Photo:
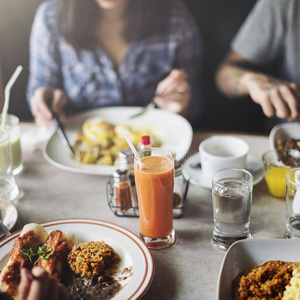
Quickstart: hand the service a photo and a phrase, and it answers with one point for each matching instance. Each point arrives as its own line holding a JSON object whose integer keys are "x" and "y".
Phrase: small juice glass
{"x": 154, "y": 178}
{"x": 275, "y": 173}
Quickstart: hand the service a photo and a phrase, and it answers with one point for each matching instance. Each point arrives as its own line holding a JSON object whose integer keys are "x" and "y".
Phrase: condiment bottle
{"x": 122, "y": 190}
{"x": 180, "y": 186}
{"x": 146, "y": 145}
{"x": 126, "y": 162}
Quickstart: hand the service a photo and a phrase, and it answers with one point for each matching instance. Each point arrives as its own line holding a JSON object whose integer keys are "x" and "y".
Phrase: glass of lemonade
{"x": 232, "y": 199}
{"x": 8, "y": 187}
{"x": 12, "y": 125}
{"x": 154, "y": 178}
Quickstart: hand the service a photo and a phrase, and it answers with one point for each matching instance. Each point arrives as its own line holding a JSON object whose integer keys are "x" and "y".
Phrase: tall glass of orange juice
{"x": 154, "y": 179}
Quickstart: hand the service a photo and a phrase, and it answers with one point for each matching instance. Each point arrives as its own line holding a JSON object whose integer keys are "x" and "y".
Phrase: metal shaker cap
{"x": 120, "y": 175}
{"x": 177, "y": 168}
{"x": 126, "y": 156}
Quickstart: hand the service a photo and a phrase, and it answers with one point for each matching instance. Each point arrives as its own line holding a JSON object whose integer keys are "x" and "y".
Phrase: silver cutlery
{"x": 144, "y": 110}
{"x": 61, "y": 132}
{"x": 4, "y": 229}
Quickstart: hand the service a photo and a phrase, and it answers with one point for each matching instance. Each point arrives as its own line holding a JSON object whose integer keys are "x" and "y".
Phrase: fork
{"x": 144, "y": 109}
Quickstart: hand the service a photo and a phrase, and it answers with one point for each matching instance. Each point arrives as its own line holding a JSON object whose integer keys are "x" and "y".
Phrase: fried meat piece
{"x": 32, "y": 236}
{"x": 60, "y": 243}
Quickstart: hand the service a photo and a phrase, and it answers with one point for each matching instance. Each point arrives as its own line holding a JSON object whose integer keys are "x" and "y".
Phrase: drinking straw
{"x": 131, "y": 146}
{"x": 7, "y": 94}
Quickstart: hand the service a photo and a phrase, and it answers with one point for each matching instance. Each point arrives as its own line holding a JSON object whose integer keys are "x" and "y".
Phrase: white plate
{"x": 253, "y": 164}
{"x": 133, "y": 252}
{"x": 284, "y": 131}
{"x": 174, "y": 131}
{"x": 8, "y": 213}
{"x": 245, "y": 254}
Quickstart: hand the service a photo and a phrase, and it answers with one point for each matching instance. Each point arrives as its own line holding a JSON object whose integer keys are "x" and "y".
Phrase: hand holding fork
{"x": 172, "y": 94}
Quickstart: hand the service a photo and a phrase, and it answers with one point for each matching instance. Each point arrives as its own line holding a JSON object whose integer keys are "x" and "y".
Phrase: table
{"x": 187, "y": 270}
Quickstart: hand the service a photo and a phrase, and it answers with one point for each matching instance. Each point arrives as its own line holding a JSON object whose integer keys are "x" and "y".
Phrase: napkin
{"x": 35, "y": 137}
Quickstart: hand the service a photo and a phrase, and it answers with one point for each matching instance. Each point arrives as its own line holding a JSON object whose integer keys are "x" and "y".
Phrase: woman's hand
{"x": 45, "y": 101}
{"x": 173, "y": 92}
{"x": 39, "y": 286}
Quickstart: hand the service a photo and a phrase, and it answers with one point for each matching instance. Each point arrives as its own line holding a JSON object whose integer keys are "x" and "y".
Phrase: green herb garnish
{"x": 43, "y": 252}
{"x": 28, "y": 252}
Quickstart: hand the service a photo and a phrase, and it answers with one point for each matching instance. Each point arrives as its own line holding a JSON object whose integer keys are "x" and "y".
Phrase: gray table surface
{"x": 187, "y": 270}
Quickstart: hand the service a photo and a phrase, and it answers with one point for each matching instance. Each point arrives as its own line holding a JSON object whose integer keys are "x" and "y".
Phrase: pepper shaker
{"x": 122, "y": 190}
{"x": 180, "y": 185}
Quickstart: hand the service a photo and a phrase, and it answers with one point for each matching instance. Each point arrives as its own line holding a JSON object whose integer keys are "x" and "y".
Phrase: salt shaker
{"x": 122, "y": 190}
{"x": 180, "y": 186}
{"x": 126, "y": 162}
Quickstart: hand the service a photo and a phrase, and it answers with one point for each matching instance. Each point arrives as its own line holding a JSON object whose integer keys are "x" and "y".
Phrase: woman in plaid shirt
{"x": 97, "y": 53}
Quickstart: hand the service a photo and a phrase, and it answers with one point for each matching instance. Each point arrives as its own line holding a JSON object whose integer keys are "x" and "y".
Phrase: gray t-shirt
{"x": 270, "y": 32}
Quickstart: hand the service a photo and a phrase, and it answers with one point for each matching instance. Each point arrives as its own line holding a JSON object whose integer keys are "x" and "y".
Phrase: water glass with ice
{"x": 292, "y": 229}
{"x": 232, "y": 199}
{"x": 8, "y": 187}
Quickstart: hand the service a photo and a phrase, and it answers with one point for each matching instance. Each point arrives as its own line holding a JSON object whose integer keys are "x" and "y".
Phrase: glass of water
{"x": 8, "y": 187}
{"x": 293, "y": 204}
{"x": 232, "y": 199}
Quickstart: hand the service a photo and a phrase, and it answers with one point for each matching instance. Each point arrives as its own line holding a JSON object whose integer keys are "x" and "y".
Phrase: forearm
{"x": 233, "y": 81}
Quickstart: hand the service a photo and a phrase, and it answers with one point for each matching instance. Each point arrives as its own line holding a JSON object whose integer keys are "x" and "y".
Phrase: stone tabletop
{"x": 187, "y": 270}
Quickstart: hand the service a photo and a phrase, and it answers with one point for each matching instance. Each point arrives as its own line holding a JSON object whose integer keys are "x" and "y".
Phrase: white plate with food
{"x": 169, "y": 130}
{"x": 192, "y": 171}
{"x": 136, "y": 269}
{"x": 245, "y": 254}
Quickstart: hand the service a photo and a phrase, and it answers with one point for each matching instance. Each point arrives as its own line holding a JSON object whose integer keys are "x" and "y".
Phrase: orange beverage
{"x": 154, "y": 178}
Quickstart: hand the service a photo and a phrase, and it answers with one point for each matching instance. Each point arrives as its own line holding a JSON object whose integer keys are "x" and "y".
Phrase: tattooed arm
{"x": 236, "y": 77}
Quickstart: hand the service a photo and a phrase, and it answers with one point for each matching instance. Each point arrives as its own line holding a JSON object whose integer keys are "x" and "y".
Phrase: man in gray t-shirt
{"x": 271, "y": 33}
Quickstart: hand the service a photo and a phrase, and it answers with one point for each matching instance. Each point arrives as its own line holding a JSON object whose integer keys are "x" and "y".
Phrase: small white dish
{"x": 283, "y": 132}
{"x": 246, "y": 254}
{"x": 191, "y": 170}
{"x": 8, "y": 214}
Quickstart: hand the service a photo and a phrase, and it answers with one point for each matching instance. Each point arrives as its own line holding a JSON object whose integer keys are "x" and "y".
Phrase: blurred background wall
{"x": 218, "y": 21}
{"x": 16, "y": 18}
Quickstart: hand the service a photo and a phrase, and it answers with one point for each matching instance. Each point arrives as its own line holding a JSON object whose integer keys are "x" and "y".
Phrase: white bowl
{"x": 284, "y": 132}
{"x": 246, "y": 254}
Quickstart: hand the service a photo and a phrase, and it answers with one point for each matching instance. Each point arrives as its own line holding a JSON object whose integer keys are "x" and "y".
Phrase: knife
{"x": 60, "y": 128}
{"x": 4, "y": 229}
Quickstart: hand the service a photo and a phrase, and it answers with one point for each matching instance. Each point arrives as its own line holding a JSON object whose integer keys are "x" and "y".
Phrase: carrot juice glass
{"x": 154, "y": 179}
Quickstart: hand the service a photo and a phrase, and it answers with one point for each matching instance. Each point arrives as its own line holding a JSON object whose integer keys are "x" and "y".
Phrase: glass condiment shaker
{"x": 122, "y": 190}
{"x": 126, "y": 162}
{"x": 180, "y": 186}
